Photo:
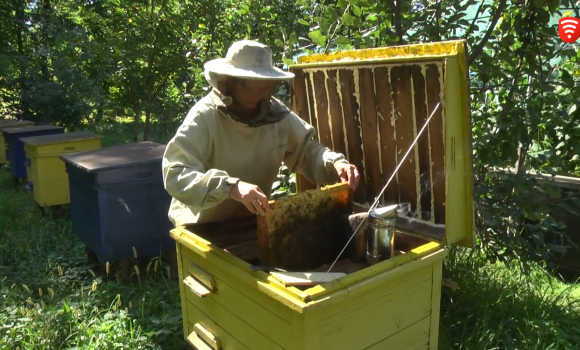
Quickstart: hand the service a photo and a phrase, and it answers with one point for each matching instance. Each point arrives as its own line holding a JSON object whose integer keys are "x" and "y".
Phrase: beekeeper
{"x": 226, "y": 154}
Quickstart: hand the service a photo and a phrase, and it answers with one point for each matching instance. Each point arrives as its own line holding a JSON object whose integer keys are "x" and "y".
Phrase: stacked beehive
{"x": 118, "y": 204}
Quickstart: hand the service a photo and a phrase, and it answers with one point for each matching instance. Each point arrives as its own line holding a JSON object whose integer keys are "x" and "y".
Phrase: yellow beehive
{"x": 47, "y": 177}
{"x": 10, "y": 124}
{"x": 357, "y": 100}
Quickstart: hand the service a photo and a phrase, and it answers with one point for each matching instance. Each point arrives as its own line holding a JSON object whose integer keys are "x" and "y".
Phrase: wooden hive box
{"x": 15, "y": 154}
{"x": 118, "y": 201}
{"x": 368, "y": 104}
{"x": 47, "y": 178}
{"x": 8, "y": 123}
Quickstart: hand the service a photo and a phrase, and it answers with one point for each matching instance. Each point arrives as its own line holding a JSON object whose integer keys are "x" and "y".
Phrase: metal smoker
{"x": 381, "y": 233}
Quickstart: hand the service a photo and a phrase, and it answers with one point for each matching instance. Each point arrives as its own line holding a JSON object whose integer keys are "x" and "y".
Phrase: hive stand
{"x": 119, "y": 205}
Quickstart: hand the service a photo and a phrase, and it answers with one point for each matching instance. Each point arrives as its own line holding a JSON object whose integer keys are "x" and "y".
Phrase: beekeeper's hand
{"x": 348, "y": 173}
{"x": 251, "y": 196}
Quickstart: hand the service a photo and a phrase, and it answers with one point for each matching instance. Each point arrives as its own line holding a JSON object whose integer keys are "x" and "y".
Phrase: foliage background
{"x": 84, "y": 63}
{"x": 90, "y": 64}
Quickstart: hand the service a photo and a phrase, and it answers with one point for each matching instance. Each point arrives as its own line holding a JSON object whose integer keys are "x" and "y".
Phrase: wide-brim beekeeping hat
{"x": 250, "y": 60}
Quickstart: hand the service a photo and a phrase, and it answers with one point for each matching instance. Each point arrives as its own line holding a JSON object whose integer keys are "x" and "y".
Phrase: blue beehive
{"x": 118, "y": 200}
{"x": 14, "y": 148}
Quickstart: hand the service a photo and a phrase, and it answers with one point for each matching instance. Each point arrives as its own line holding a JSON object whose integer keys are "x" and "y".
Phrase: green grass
{"x": 497, "y": 306}
{"x": 50, "y": 298}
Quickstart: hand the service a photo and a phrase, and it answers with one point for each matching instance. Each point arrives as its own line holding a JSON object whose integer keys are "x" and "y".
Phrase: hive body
{"x": 370, "y": 105}
{"x": 15, "y": 154}
{"x": 118, "y": 200}
{"x": 10, "y": 124}
{"x": 47, "y": 177}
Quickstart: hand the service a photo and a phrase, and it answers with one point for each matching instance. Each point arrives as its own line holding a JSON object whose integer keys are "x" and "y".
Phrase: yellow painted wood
{"x": 243, "y": 308}
{"x": 435, "y": 301}
{"x": 206, "y": 335}
{"x": 196, "y": 287}
{"x": 387, "y": 265}
{"x": 305, "y": 278}
{"x": 239, "y": 329}
{"x": 246, "y": 282}
{"x": 377, "y": 312}
{"x": 227, "y": 340}
{"x": 259, "y": 313}
{"x": 438, "y": 50}
{"x": 47, "y": 171}
{"x": 414, "y": 337}
{"x": 179, "y": 249}
{"x": 391, "y": 305}
{"x": 459, "y": 213}
{"x": 10, "y": 124}
{"x": 202, "y": 276}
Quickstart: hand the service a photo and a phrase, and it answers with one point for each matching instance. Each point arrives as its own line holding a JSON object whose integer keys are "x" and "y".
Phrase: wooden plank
{"x": 414, "y": 337}
{"x": 378, "y": 312}
{"x": 320, "y": 100}
{"x": 386, "y": 121}
{"x": 224, "y": 265}
{"x": 351, "y": 120}
{"x": 421, "y": 116}
{"x": 242, "y": 310}
{"x": 182, "y": 274}
{"x": 299, "y": 97}
{"x": 421, "y": 228}
{"x": 227, "y": 340}
{"x": 306, "y": 330}
{"x": 345, "y": 265}
{"x": 389, "y": 269}
{"x": 300, "y": 106}
{"x": 227, "y": 233}
{"x": 401, "y": 85}
{"x": 336, "y": 115}
{"x": 458, "y": 154}
{"x": 436, "y": 142}
{"x": 310, "y": 100}
{"x": 305, "y": 278}
{"x": 436, "y": 304}
{"x": 241, "y": 280}
{"x": 369, "y": 129}
{"x": 246, "y": 251}
{"x": 301, "y": 232}
{"x": 239, "y": 329}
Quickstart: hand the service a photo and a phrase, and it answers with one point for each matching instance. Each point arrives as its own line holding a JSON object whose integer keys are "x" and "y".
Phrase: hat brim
{"x": 220, "y": 66}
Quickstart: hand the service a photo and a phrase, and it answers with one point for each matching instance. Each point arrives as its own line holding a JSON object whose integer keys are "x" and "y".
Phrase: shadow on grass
{"x": 499, "y": 307}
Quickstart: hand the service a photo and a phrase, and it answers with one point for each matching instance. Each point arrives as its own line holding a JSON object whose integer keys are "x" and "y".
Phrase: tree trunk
{"x": 137, "y": 121}
{"x": 20, "y": 20}
{"x": 45, "y": 46}
{"x": 147, "y": 125}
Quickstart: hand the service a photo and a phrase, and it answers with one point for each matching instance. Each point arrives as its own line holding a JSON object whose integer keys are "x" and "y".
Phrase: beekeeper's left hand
{"x": 348, "y": 173}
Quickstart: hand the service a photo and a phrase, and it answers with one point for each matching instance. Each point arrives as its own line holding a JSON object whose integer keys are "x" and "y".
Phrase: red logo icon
{"x": 569, "y": 29}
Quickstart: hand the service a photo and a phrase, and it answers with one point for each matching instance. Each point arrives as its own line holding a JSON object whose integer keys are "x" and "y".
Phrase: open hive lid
{"x": 10, "y": 123}
{"x": 116, "y": 157}
{"x": 59, "y": 138}
{"x": 27, "y": 129}
{"x": 370, "y": 105}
